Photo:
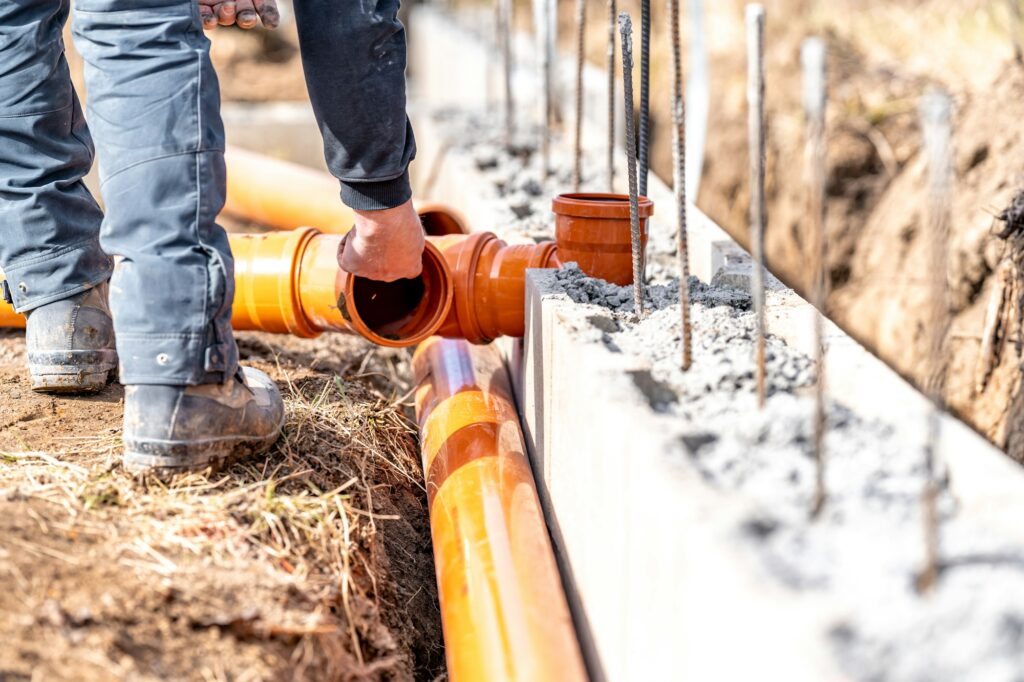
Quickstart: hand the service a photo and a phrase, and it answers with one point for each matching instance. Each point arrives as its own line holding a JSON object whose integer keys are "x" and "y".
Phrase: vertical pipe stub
{"x": 594, "y": 231}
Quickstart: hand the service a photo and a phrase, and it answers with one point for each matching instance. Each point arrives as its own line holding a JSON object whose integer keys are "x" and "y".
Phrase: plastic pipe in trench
{"x": 284, "y": 195}
{"x": 503, "y": 608}
{"x": 473, "y": 287}
{"x": 291, "y": 283}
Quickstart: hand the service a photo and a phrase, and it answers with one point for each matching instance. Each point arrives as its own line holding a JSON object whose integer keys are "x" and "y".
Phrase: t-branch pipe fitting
{"x": 290, "y": 282}
{"x": 490, "y": 284}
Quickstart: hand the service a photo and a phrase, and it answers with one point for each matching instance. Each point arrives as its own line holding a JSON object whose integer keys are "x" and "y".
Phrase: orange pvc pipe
{"x": 290, "y": 282}
{"x": 503, "y": 609}
{"x": 284, "y": 195}
{"x": 490, "y": 284}
{"x": 9, "y": 318}
{"x": 594, "y": 231}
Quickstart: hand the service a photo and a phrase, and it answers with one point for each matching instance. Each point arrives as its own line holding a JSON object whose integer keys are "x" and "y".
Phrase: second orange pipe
{"x": 284, "y": 195}
{"x": 473, "y": 287}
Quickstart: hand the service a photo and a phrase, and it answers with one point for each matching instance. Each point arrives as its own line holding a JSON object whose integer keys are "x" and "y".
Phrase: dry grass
{"x": 303, "y": 527}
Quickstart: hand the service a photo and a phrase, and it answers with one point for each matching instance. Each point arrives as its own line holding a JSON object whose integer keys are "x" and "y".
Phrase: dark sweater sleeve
{"x": 354, "y": 58}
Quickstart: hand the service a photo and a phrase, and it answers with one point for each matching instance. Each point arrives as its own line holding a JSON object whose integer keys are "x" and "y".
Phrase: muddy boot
{"x": 176, "y": 429}
{"x": 71, "y": 344}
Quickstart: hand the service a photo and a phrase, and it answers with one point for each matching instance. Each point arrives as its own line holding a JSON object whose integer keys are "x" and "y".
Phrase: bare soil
{"x": 882, "y": 57}
{"x": 258, "y": 65}
{"x": 312, "y": 563}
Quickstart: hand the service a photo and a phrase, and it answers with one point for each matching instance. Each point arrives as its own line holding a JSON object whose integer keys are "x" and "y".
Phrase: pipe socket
{"x": 290, "y": 282}
{"x": 594, "y": 231}
{"x": 490, "y": 284}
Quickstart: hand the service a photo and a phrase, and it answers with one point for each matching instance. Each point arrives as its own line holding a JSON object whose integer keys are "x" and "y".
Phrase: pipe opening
{"x": 389, "y": 307}
{"x": 437, "y": 223}
{"x": 598, "y": 198}
{"x": 407, "y": 311}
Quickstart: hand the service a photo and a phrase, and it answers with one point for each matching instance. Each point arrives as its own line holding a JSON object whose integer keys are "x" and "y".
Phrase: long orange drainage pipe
{"x": 503, "y": 609}
{"x": 284, "y": 195}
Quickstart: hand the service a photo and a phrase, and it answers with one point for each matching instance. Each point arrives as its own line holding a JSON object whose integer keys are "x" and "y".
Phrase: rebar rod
{"x": 626, "y": 28}
{"x": 645, "y": 94}
{"x": 581, "y": 24}
{"x": 544, "y": 31}
{"x": 612, "y": 15}
{"x": 505, "y": 12}
{"x": 679, "y": 183}
{"x": 936, "y": 118}
{"x": 756, "y": 141}
{"x": 812, "y": 58}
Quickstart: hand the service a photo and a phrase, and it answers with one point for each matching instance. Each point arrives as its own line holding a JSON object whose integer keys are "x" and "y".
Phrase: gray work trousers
{"x": 154, "y": 110}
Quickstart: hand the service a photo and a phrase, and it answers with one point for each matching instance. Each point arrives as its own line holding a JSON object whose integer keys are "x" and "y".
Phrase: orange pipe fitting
{"x": 285, "y": 195}
{"x": 287, "y": 283}
{"x": 594, "y": 231}
{"x": 490, "y": 284}
{"x": 503, "y": 609}
{"x": 290, "y": 282}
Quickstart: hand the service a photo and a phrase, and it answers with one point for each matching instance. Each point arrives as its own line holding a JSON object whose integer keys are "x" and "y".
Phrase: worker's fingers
{"x": 245, "y": 14}
{"x": 226, "y": 13}
{"x": 207, "y": 16}
{"x": 267, "y": 10}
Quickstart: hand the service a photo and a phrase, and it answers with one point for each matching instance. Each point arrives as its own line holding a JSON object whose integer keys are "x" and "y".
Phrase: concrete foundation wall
{"x": 646, "y": 547}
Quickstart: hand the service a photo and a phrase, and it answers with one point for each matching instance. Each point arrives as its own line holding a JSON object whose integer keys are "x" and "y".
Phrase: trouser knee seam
{"x": 162, "y": 157}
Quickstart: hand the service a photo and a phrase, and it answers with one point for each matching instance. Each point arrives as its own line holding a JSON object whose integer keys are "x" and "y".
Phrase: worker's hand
{"x": 384, "y": 245}
{"x": 241, "y": 12}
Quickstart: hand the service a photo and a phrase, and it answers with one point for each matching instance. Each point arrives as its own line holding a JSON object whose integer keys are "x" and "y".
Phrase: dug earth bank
{"x": 879, "y": 64}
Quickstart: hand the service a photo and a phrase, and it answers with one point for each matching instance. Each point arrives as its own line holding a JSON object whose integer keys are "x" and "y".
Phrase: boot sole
{"x": 164, "y": 459}
{"x": 87, "y": 371}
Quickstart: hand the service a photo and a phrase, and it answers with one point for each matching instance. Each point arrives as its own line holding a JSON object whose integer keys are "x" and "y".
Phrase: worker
{"x": 154, "y": 113}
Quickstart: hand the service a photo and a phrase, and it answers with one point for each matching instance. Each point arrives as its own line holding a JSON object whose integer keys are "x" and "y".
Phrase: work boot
{"x": 176, "y": 429}
{"x": 71, "y": 344}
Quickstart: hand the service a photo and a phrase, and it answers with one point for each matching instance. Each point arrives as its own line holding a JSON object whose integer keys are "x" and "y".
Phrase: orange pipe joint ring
{"x": 290, "y": 282}
{"x": 490, "y": 284}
